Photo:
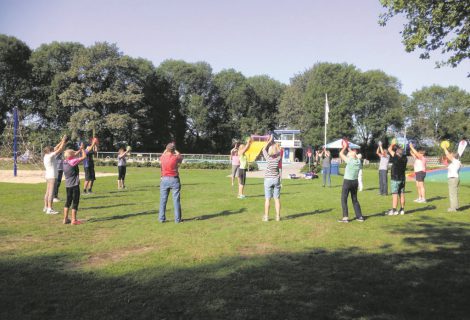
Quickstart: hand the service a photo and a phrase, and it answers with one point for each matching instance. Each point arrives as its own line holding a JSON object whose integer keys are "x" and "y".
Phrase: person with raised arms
{"x": 350, "y": 184}
{"x": 170, "y": 180}
{"x": 89, "y": 167}
{"x": 325, "y": 157}
{"x": 398, "y": 178}
{"x": 243, "y": 167}
{"x": 122, "y": 161}
{"x": 72, "y": 181}
{"x": 420, "y": 172}
{"x": 383, "y": 170}
{"x": 235, "y": 162}
{"x": 272, "y": 179}
{"x": 453, "y": 179}
{"x": 50, "y": 164}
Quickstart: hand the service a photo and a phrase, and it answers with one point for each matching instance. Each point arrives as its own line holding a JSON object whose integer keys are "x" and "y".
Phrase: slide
{"x": 254, "y": 150}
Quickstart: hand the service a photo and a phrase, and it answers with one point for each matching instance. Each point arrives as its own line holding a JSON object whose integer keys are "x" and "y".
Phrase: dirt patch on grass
{"x": 105, "y": 258}
{"x": 257, "y": 249}
{"x": 36, "y": 176}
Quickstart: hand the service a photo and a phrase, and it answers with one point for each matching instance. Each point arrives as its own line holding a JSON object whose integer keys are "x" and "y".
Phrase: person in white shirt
{"x": 359, "y": 177}
{"x": 453, "y": 179}
{"x": 50, "y": 164}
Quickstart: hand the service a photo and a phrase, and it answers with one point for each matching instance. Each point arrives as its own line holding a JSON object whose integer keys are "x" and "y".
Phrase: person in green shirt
{"x": 350, "y": 184}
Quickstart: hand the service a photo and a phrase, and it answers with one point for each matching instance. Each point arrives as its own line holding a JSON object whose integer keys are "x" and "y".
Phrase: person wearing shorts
{"x": 420, "y": 172}
{"x": 72, "y": 182}
{"x": 50, "y": 164}
{"x": 398, "y": 179}
{"x": 235, "y": 162}
{"x": 89, "y": 166}
{"x": 243, "y": 167}
{"x": 272, "y": 179}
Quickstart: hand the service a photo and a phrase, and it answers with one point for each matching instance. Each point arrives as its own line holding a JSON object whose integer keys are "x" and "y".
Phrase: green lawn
{"x": 223, "y": 262}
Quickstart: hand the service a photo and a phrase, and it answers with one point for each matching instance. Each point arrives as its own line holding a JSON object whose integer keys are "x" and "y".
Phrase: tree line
{"x": 67, "y": 87}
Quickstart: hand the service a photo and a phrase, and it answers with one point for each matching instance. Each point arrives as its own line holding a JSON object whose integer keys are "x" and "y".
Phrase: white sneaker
{"x": 422, "y": 201}
{"x": 51, "y": 211}
{"x": 402, "y": 212}
{"x": 56, "y": 200}
{"x": 44, "y": 209}
{"x": 265, "y": 219}
{"x": 417, "y": 200}
{"x": 391, "y": 212}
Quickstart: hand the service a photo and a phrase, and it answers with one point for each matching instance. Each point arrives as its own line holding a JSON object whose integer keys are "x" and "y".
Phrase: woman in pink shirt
{"x": 235, "y": 161}
{"x": 420, "y": 172}
{"x": 170, "y": 180}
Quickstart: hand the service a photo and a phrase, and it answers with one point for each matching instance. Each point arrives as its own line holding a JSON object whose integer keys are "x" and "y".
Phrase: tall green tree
{"x": 433, "y": 25}
{"x": 105, "y": 81}
{"x": 15, "y": 75}
{"x": 50, "y": 63}
{"x": 440, "y": 112}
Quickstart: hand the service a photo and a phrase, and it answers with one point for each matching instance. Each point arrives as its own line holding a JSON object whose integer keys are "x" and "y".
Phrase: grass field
{"x": 223, "y": 262}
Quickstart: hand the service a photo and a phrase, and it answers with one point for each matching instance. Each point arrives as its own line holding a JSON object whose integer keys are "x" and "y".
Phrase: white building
{"x": 291, "y": 144}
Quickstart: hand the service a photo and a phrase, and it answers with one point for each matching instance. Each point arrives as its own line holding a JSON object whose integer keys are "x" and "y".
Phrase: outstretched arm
{"x": 242, "y": 151}
{"x": 413, "y": 152}
{"x": 449, "y": 155}
{"x": 60, "y": 146}
{"x": 390, "y": 150}
{"x": 342, "y": 155}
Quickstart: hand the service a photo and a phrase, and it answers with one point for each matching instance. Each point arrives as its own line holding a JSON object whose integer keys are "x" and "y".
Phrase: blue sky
{"x": 277, "y": 38}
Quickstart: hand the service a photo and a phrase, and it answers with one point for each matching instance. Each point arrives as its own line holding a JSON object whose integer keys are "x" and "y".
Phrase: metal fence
{"x": 151, "y": 157}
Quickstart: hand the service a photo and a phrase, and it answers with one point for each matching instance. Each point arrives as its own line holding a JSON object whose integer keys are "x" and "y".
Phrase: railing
{"x": 151, "y": 157}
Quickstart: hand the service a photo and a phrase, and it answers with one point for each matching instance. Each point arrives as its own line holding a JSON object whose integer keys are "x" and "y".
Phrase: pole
{"x": 327, "y": 109}
{"x": 15, "y": 141}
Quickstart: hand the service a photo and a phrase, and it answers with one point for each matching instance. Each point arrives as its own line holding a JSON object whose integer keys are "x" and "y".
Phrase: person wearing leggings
{"x": 72, "y": 182}
{"x": 350, "y": 184}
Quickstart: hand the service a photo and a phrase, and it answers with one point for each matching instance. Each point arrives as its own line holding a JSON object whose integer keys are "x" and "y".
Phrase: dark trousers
{"x": 383, "y": 182}
{"x": 350, "y": 186}
{"x": 57, "y": 185}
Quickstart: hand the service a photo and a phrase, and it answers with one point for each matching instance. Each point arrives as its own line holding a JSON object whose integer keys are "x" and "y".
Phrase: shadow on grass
{"x": 303, "y": 214}
{"x": 370, "y": 189}
{"x": 464, "y": 207}
{"x": 435, "y": 199}
{"x": 108, "y": 206}
{"x": 426, "y": 283}
{"x": 99, "y": 197}
{"x": 123, "y": 216}
{"x": 426, "y": 208}
{"x": 215, "y": 215}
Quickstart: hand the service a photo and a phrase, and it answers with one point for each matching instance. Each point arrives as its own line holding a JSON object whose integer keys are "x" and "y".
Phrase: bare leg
{"x": 402, "y": 200}
{"x": 266, "y": 208}
{"x": 66, "y": 215}
{"x": 240, "y": 189}
{"x": 74, "y": 215}
{"x": 277, "y": 203}
{"x": 395, "y": 200}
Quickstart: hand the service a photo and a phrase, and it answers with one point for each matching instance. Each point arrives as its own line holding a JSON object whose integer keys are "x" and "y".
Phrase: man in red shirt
{"x": 170, "y": 180}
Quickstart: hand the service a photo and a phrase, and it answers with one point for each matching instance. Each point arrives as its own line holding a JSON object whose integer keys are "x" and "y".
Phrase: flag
{"x": 327, "y": 109}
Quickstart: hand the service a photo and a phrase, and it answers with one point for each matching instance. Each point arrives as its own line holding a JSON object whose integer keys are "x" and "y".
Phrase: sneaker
{"x": 265, "y": 219}
{"x": 241, "y": 196}
{"x": 51, "y": 211}
{"x": 417, "y": 200}
{"x": 66, "y": 221}
{"x": 344, "y": 220}
{"x": 278, "y": 218}
{"x": 44, "y": 209}
{"x": 76, "y": 222}
{"x": 361, "y": 219}
{"x": 451, "y": 210}
{"x": 402, "y": 211}
{"x": 56, "y": 200}
{"x": 391, "y": 212}
{"x": 422, "y": 201}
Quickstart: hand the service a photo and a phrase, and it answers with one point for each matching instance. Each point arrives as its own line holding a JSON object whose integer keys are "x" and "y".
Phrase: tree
{"x": 336, "y": 80}
{"x": 49, "y": 64}
{"x": 440, "y": 113}
{"x": 15, "y": 74}
{"x": 379, "y": 106}
{"x": 433, "y": 25}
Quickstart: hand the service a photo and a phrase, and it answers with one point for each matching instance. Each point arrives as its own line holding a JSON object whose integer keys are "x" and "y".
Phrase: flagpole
{"x": 326, "y": 115}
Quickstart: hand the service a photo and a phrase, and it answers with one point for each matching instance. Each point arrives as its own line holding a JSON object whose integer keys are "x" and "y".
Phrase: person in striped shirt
{"x": 272, "y": 179}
